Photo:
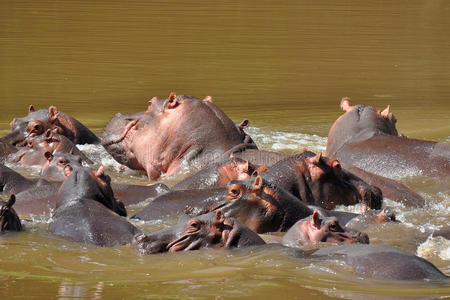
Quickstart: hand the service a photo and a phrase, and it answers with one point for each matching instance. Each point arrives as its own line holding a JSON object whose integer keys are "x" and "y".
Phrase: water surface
{"x": 284, "y": 65}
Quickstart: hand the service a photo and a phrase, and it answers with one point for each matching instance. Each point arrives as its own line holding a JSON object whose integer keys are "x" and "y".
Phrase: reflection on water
{"x": 80, "y": 290}
{"x": 282, "y": 65}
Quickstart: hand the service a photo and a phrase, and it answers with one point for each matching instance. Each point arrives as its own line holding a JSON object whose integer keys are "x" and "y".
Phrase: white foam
{"x": 286, "y": 141}
{"x": 433, "y": 246}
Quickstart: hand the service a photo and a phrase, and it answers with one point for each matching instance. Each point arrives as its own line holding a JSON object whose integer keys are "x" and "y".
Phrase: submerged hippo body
{"x": 39, "y": 199}
{"x": 212, "y": 230}
{"x": 390, "y": 188}
{"x": 87, "y": 211}
{"x": 173, "y": 130}
{"x": 9, "y": 221}
{"x": 12, "y": 182}
{"x": 37, "y": 122}
{"x": 316, "y": 228}
{"x": 381, "y": 262}
{"x": 179, "y": 202}
{"x": 367, "y": 138}
{"x": 321, "y": 181}
{"x": 5, "y": 150}
{"x": 256, "y": 156}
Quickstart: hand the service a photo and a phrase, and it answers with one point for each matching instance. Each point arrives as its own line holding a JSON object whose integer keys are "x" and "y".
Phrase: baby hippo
{"x": 212, "y": 230}
{"x": 87, "y": 212}
{"x": 9, "y": 221}
{"x": 316, "y": 228}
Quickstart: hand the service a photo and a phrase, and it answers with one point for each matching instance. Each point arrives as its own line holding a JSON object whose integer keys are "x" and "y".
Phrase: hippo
{"x": 171, "y": 131}
{"x": 219, "y": 174}
{"x": 212, "y": 230}
{"x": 316, "y": 228}
{"x": 37, "y": 148}
{"x": 87, "y": 211}
{"x": 368, "y": 139}
{"x": 381, "y": 262}
{"x": 321, "y": 181}
{"x": 37, "y": 122}
{"x": 9, "y": 221}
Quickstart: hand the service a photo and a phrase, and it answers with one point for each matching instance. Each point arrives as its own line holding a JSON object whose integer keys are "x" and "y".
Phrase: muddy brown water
{"x": 282, "y": 64}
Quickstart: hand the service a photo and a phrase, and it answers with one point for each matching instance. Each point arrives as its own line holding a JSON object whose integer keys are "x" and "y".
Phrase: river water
{"x": 284, "y": 65}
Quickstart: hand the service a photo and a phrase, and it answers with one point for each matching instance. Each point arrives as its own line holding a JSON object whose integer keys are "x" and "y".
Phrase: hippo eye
{"x": 36, "y": 127}
{"x": 62, "y": 161}
{"x": 333, "y": 226}
{"x": 194, "y": 226}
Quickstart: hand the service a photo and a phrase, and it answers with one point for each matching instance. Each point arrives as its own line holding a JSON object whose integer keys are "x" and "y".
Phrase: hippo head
{"x": 259, "y": 205}
{"x": 212, "y": 230}
{"x": 53, "y": 169}
{"x": 91, "y": 184}
{"x": 236, "y": 169}
{"x": 358, "y": 123}
{"x": 35, "y": 123}
{"x": 9, "y": 221}
{"x": 327, "y": 185}
{"x": 316, "y": 228}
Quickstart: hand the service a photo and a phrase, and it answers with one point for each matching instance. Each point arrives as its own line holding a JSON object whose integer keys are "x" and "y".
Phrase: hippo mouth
{"x": 196, "y": 241}
{"x": 184, "y": 243}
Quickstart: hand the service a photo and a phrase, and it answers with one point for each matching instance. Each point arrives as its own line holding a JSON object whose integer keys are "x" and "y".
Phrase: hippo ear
{"x": 345, "y": 104}
{"x": 243, "y": 124}
{"x": 315, "y": 219}
{"x": 316, "y": 159}
{"x": 246, "y": 167}
{"x": 68, "y": 170}
{"x": 11, "y": 201}
{"x": 100, "y": 171}
{"x": 31, "y": 109}
{"x": 172, "y": 101}
{"x": 49, "y": 156}
{"x": 261, "y": 169}
{"x": 53, "y": 113}
{"x": 220, "y": 216}
{"x": 257, "y": 184}
{"x": 150, "y": 103}
{"x": 336, "y": 165}
{"x": 208, "y": 99}
{"x": 385, "y": 112}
